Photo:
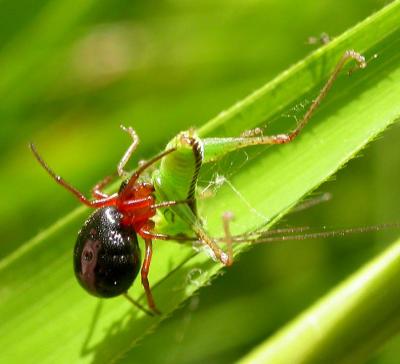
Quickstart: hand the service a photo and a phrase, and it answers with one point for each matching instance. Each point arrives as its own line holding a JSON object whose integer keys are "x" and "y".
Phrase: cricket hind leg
{"x": 225, "y": 257}
{"x": 217, "y": 147}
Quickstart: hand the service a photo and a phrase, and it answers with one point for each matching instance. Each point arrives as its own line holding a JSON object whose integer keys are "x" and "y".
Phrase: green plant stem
{"x": 345, "y": 326}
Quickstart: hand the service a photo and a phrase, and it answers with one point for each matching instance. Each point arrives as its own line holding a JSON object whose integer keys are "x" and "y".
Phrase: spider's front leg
{"x": 97, "y": 190}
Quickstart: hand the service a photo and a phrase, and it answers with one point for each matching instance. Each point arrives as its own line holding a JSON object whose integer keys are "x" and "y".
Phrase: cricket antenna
{"x": 297, "y": 233}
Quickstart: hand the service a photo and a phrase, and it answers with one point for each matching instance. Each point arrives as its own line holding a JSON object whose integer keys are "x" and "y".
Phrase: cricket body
{"x": 178, "y": 171}
{"x": 107, "y": 256}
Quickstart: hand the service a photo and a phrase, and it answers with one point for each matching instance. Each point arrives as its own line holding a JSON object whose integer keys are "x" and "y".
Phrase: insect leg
{"x": 314, "y": 201}
{"x": 218, "y": 252}
{"x": 227, "y": 217}
{"x": 148, "y": 234}
{"x": 225, "y": 258}
{"x": 217, "y": 147}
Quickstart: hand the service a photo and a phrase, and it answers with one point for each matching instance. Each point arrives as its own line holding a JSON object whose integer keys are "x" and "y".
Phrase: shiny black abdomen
{"x": 106, "y": 254}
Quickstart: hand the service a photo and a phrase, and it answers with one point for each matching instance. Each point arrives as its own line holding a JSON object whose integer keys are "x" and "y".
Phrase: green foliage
{"x": 346, "y": 325}
{"x": 103, "y": 64}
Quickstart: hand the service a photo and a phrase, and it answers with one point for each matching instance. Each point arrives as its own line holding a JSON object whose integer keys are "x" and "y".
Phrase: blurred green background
{"x": 71, "y": 72}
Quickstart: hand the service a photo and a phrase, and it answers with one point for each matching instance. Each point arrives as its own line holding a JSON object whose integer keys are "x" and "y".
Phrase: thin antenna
{"x": 265, "y": 237}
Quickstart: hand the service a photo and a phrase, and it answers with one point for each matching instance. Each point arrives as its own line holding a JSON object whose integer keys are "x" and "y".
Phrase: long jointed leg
{"x": 137, "y": 304}
{"x": 217, "y": 147}
{"x": 101, "y": 198}
{"x": 225, "y": 257}
{"x": 101, "y": 202}
{"x": 145, "y": 273}
{"x": 135, "y": 175}
{"x": 97, "y": 190}
{"x": 227, "y": 217}
{"x": 127, "y": 155}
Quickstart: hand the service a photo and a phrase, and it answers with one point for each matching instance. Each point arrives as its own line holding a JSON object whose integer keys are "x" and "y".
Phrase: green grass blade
{"x": 346, "y": 325}
{"x": 46, "y": 315}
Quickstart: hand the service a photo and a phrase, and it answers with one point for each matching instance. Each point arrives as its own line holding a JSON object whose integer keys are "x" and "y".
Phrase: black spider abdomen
{"x": 106, "y": 254}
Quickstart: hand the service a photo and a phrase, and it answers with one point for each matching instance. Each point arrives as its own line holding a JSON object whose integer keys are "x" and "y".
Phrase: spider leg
{"x": 143, "y": 167}
{"x": 170, "y": 203}
{"x": 145, "y": 273}
{"x": 101, "y": 202}
{"x": 128, "y": 154}
{"x": 137, "y": 304}
{"x": 98, "y": 187}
